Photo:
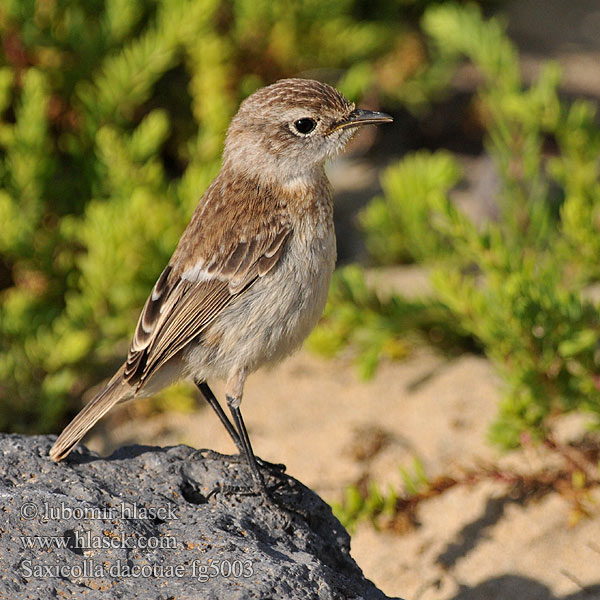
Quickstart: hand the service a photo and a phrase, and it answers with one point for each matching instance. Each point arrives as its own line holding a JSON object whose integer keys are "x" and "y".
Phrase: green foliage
{"x": 370, "y": 503}
{"x": 519, "y": 285}
{"x": 358, "y": 506}
{"x": 396, "y": 227}
{"x": 374, "y": 328}
{"x": 416, "y": 482}
{"x": 112, "y": 118}
{"x": 526, "y": 299}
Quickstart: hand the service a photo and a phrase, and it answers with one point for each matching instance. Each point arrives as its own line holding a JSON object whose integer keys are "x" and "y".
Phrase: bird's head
{"x": 289, "y": 128}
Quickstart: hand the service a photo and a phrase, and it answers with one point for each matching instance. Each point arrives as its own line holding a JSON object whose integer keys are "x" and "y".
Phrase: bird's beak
{"x": 360, "y": 116}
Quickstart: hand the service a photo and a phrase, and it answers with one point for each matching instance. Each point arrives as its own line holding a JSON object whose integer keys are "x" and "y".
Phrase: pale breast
{"x": 274, "y": 316}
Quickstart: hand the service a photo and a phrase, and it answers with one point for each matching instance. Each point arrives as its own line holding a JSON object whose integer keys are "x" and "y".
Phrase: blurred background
{"x": 463, "y": 320}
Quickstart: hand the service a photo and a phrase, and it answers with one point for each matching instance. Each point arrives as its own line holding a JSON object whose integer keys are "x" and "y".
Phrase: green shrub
{"x": 395, "y": 226}
{"x": 383, "y": 509}
{"x": 520, "y": 285}
{"x": 356, "y": 318}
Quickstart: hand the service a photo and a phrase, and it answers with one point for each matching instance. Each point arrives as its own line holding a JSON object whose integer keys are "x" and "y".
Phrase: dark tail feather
{"x": 115, "y": 391}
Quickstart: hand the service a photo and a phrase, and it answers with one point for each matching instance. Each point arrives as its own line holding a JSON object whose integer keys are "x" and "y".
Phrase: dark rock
{"x": 148, "y": 522}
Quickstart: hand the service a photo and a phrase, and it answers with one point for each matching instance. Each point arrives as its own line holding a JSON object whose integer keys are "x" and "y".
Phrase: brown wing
{"x": 206, "y": 273}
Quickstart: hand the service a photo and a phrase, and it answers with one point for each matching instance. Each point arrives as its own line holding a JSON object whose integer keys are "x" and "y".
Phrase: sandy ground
{"x": 472, "y": 542}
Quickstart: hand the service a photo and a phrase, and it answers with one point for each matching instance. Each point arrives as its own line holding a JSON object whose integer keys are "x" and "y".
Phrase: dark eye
{"x": 305, "y": 126}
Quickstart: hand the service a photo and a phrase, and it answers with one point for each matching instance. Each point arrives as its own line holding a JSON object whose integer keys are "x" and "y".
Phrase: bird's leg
{"x": 214, "y": 404}
{"x": 234, "y": 408}
{"x": 209, "y": 396}
{"x": 238, "y": 432}
{"x": 259, "y": 482}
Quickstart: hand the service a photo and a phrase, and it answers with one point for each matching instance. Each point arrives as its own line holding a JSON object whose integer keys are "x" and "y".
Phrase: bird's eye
{"x": 305, "y": 126}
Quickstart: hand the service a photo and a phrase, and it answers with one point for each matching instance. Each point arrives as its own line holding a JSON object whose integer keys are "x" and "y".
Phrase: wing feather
{"x": 184, "y": 303}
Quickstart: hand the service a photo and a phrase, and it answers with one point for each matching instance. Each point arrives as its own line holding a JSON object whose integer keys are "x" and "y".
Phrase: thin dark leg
{"x": 216, "y": 406}
{"x": 234, "y": 408}
{"x": 214, "y": 403}
{"x": 259, "y": 482}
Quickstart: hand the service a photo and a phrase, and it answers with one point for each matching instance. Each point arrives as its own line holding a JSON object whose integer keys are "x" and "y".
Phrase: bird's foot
{"x": 273, "y": 468}
{"x": 244, "y": 490}
{"x": 269, "y": 498}
{"x": 278, "y": 467}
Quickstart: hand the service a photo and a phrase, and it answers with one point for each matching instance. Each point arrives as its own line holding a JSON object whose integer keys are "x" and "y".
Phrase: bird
{"x": 250, "y": 275}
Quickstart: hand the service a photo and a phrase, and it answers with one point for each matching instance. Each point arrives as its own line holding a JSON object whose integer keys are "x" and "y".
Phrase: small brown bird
{"x": 250, "y": 275}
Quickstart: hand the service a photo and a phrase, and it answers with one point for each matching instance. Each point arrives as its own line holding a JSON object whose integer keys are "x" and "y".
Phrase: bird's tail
{"x": 115, "y": 391}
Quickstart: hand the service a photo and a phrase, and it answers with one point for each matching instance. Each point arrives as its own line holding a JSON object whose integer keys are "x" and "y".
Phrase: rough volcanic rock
{"x": 163, "y": 523}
